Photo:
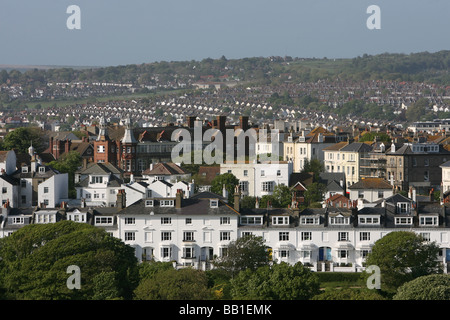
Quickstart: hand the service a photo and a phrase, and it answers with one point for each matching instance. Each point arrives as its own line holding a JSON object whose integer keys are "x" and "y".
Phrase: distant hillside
{"x": 422, "y": 67}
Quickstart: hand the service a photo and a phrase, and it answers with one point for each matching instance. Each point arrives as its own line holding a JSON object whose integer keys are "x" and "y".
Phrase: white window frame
{"x": 280, "y": 220}
{"x": 403, "y": 220}
{"x": 306, "y": 235}
{"x": 225, "y": 220}
{"x": 307, "y": 220}
{"x": 251, "y": 220}
{"x": 130, "y": 236}
{"x": 423, "y": 220}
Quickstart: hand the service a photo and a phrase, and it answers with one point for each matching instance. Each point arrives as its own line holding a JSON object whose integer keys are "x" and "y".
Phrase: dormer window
{"x": 95, "y": 179}
{"x": 365, "y": 220}
{"x": 280, "y": 220}
{"x": 309, "y": 220}
{"x": 166, "y": 203}
{"x": 339, "y": 220}
{"x": 403, "y": 221}
{"x": 149, "y": 203}
{"x": 41, "y": 169}
{"x": 403, "y": 207}
{"x": 214, "y": 203}
{"x": 249, "y": 220}
{"x": 25, "y": 169}
{"x": 429, "y": 220}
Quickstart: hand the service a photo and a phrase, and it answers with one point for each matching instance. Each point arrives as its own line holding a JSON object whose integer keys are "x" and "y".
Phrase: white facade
{"x": 189, "y": 239}
{"x": 98, "y": 189}
{"x": 259, "y": 179}
{"x": 54, "y": 190}
{"x": 370, "y": 195}
{"x": 9, "y": 192}
{"x": 9, "y": 162}
{"x": 445, "y": 177}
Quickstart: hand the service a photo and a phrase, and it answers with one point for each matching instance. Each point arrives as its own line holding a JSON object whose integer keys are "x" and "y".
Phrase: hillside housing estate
{"x": 131, "y": 189}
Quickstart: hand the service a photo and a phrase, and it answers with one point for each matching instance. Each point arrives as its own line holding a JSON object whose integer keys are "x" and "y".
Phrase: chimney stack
{"x": 243, "y": 122}
{"x": 237, "y": 199}
{"x": 121, "y": 199}
{"x": 178, "y": 199}
{"x": 191, "y": 121}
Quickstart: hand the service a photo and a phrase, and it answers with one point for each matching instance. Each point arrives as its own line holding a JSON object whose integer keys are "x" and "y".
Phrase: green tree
{"x": 22, "y": 138}
{"x": 370, "y": 136}
{"x": 247, "y": 252}
{"x": 228, "y": 180}
{"x": 431, "y": 287}
{"x": 35, "y": 259}
{"x": 281, "y": 281}
{"x": 248, "y": 202}
{"x": 349, "y": 294}
{"x": 417, "y": 110}
{"x": 403, "y": 256}
{"x": 315, "y": 166}
{"x": 172, "y": 284}
{"x": 68, "y": 163}
{"x": 314, "y": 193}
{"x": 282, "y": 196}
{"x": 105, "y": 286}
{"x": 266, "y": 200}
{"x": 149, "y": 269}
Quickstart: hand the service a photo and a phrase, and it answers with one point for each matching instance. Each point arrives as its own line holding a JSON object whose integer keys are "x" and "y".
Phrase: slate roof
{"x": 371, "y": 183}
{"x": 357, "y": 147}
{"x": 100, "y": 168}
{"x": 196, "y": 205}
{"x": 336, "y": 147}
{"x": 164, "y": 168}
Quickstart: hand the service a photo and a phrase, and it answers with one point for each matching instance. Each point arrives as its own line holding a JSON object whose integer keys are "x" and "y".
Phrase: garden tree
{"x": 315, "y": 166}
{"x": 431, "y": 287}
{"x": 228, "y": 180}
{"x": 349, "y": 294}
{"x": 280, "y": 281}
{"x": 266, "y": 200}
{"x": 219, "y": 282}
{"x": 417, "y": 110}
{"x": 248, "y": 202}
{"x": 370, "y": 136}
{"x": 22, "y": 138}
{"x": 248, "y": 252}
{"x": 35, "y": 259}
{"x": 68, "y": 163}
{"x": 403, "y": 256}
{"x": 282, "y": 196}
{"x": 149, "y": 269}
{"x": 172, "y": 284}
{"x": 105, "y": 286}
{"x": 314, "y": 193}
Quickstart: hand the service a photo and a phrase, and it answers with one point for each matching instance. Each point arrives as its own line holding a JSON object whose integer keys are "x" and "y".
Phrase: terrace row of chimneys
{"x": 219, "y": 122}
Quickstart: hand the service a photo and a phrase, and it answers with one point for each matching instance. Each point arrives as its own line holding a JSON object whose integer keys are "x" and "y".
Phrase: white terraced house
{"x": 258, "y": 179}
{"x": 190, "y": 231}
{"x": 325, "y": 239}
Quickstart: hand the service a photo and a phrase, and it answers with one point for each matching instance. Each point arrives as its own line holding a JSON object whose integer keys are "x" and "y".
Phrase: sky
{"x": 123, "y": 32}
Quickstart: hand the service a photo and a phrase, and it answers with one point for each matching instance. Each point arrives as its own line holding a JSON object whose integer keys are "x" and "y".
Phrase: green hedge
{"x": 339, "y": 276}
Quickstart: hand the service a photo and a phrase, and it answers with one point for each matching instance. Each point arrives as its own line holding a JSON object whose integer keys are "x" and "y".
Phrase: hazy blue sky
{"x": 113, "y": 32}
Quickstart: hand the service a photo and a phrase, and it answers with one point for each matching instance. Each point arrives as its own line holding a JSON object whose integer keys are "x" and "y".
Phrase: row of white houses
{"x": 191, "y": 231}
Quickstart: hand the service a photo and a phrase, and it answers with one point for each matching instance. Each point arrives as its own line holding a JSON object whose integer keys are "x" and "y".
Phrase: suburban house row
{"x": 191, "y": 231}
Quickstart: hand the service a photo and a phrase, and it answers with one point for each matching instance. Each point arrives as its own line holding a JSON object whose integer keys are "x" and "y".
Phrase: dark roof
{"x": 357, "y": 147}
{"x": 305, "y": 178}
{"x": 371, "y": 183}
{"x": 100, "y": 168}
{"x": 164, "y": 168}
{"x": 190, "y": 206}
